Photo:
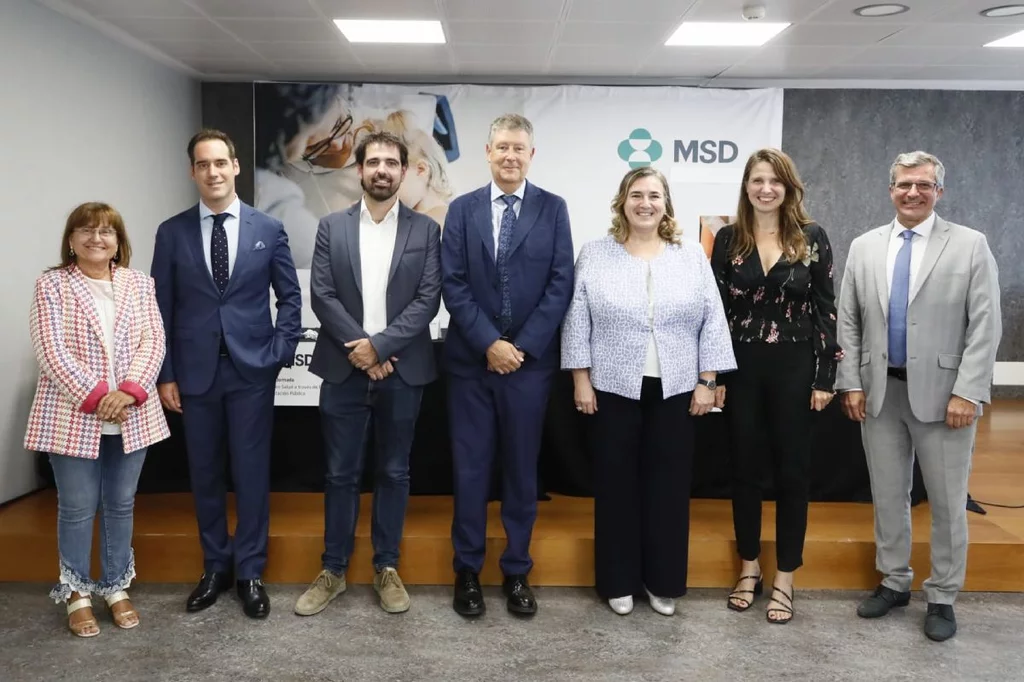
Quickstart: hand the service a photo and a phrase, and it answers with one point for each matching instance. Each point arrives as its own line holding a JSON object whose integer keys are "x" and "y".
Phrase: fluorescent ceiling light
{"x": 1002, "y": 11}
{"x": 1013, "y": 40}
{"x": 725, "y": 34}
{"x": 881, "y": 10}
{"x": 390, "y": 31}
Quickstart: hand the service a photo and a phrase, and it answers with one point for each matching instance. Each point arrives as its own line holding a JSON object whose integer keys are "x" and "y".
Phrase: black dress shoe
{"x": 206, "y": 592}
{"x": 940, "y": 623}
{"x": 881, "y": 602}
{"x": 255, "y": 601}
{"x": 520, "y": 596}
{"x": 469, "y": 598}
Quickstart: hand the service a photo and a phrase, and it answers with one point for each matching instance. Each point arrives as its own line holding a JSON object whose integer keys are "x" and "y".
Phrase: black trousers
{"x": 643, "y": 464}
{"x": 767, "y": 402}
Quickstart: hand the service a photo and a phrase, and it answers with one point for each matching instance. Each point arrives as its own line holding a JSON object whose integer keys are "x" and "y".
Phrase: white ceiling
{"x": 542, "y": 41}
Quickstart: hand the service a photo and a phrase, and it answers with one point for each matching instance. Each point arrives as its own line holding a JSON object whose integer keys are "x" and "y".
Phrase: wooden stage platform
{"x": 839, "y": 552}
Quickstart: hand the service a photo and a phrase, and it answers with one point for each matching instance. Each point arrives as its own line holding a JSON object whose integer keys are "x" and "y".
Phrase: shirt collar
{"x": 234, "y": 209}
{"x": 497, "y": 192}
{"x": 924, "y": 229}
{"x": 391, "y": 215}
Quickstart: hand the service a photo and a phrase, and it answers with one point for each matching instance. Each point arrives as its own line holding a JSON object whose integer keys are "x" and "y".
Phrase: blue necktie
{"x": 508, "y": 226}
{"x": 219, "y": 252}
{"x": 899, "y": 297}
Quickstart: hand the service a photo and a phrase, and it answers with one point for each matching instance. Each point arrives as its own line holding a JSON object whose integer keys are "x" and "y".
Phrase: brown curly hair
{"x": 667, "y": 228}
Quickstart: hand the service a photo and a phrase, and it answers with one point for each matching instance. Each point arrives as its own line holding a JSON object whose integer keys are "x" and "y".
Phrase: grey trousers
{"x": 890, "y": 441}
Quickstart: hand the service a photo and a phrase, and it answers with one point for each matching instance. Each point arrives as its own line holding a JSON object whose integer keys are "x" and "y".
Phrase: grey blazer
{"x": 953, "y": 320}
{"x": 413, "y": 296}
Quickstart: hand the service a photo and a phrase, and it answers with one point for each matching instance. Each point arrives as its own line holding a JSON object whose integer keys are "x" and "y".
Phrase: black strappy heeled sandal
{"x": 756, "y": 592}
{"x": 781, "y": 608}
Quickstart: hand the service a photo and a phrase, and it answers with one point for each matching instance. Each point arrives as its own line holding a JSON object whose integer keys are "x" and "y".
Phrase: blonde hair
{"x": 667, "y": 228}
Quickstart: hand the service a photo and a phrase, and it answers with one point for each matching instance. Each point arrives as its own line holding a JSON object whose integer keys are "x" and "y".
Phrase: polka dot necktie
{"x": 219, "y": 252}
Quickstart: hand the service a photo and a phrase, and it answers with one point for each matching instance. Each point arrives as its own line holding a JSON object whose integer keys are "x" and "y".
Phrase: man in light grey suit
{"x": 376, "y": 285}
{"x": 920, "y": 323}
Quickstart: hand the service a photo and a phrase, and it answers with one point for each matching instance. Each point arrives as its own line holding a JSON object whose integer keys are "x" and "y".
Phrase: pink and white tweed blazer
{"x": 67, "y": 336}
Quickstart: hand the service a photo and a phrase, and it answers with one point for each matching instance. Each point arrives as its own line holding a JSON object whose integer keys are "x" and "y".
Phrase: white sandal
{"x": 81, "y": 626}
{"x": 121, "y": 616}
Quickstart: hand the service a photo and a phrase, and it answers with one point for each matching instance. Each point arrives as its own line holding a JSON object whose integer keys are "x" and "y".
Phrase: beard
{"x": 379, "y": 193}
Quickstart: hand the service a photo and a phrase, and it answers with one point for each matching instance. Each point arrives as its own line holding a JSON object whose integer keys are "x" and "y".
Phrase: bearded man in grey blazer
{"x": 920, "y": 322}
{"x": 376, "y": 285}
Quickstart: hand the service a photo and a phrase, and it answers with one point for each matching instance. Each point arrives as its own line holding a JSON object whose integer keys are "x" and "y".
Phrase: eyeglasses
{"x": 341, "y": 127}
{"x": 105, "y": 232}
{"x": 922, "y": 187}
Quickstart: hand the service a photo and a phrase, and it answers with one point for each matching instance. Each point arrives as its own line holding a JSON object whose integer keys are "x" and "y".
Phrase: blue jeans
{"x": 347, "y": 412}
{"x": 84, "y": 486}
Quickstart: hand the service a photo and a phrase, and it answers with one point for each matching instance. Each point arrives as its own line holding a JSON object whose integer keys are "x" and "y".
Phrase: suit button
{"x": 885, "y": 356}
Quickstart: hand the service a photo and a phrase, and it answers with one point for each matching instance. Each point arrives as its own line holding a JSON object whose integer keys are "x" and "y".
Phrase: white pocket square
{"x": 259, "y": 246}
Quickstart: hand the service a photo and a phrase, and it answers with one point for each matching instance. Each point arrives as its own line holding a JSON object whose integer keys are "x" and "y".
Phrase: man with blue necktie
{"x": 919, "y": 319}
{"x": 507, "y": 279}
{"x": 214, "y": 265}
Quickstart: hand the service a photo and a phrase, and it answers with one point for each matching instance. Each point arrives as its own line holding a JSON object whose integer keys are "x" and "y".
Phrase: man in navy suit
{"x": 214, "y": 265}
{"x": 507, "y": 276}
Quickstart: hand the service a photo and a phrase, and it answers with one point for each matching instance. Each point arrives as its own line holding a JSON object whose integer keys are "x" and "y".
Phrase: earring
{"x": 71, "y": 253}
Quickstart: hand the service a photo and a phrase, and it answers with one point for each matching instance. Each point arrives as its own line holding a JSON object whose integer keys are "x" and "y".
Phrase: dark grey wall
{"x": 843, "y": 142}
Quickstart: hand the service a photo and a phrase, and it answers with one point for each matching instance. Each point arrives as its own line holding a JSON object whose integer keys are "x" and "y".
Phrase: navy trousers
{"x": 240, "y": 414}
{"x": 496, "y": 416}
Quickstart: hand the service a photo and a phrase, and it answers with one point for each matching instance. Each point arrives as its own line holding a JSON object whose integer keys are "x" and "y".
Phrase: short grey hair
{"x": 914, "y": 160}
{"x": 511, "y": 122}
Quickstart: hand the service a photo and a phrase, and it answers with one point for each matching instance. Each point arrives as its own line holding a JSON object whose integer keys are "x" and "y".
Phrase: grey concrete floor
{"x": 573, "y": 637}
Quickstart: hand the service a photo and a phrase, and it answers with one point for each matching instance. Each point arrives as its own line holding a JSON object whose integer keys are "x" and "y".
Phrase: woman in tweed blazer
{"x": 645, "y": 337}
{"x": 99, "y": 340}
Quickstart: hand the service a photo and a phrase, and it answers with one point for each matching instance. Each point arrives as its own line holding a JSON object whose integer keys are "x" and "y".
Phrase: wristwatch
{"x": 710, "y": 383}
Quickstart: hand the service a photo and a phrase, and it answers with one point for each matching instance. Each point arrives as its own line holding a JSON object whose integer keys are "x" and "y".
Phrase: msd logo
{"x": 704, "y": 151}
{"x": 641, "y": 149}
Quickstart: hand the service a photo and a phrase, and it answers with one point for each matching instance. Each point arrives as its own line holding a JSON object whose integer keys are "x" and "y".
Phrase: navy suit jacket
{"x": 540, "y": 266}
{"x": 196, "y": 314}
{"x": 413, "y": 296}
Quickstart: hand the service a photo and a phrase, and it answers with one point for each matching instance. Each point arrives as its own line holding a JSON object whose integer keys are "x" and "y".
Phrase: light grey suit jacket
{"x": 413, "y": 296}
{"x": 953, "y": 320}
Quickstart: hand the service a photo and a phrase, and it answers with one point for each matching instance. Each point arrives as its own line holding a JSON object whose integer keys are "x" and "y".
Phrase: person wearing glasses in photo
{"x": 99, "y": 340}
{"x": 645, "y": 337}
{"x": 774, "y": 273}
{"x": 305, "y": 124}
{"x": 214, "y": 265}
{"x": 919, "y": 317}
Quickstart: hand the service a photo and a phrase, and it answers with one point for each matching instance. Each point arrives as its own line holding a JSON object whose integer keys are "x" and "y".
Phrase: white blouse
{"x": 103, "y": 293}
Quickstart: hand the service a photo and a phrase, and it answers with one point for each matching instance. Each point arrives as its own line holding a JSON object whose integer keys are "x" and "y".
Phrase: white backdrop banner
{"x": 586, "y": 137}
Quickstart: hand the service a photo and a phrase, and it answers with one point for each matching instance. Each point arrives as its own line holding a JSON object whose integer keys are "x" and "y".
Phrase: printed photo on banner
{"x": 709, "y": 227}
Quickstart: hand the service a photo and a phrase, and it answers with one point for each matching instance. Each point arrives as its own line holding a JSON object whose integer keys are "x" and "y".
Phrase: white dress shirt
{"x": 376, "y": 248}
{"x": 103, "y": 293}
{"x": 230, "y": 227}
{"x": 919, "y": 242}
{"x": 498, "y": 207}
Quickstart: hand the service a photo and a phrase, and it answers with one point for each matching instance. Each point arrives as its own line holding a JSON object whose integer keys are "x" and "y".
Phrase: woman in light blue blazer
{"x": 645, "y": 337}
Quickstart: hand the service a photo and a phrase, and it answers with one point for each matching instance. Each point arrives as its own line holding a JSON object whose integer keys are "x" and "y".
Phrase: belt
{"x": 897, "y": 373}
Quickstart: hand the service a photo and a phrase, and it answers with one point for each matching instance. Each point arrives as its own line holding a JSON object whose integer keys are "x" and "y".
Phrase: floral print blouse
{"x": 793, "y": 302}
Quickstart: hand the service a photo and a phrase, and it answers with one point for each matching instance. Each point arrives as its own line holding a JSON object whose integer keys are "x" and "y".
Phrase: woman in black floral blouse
{"x": 774, "y": 271}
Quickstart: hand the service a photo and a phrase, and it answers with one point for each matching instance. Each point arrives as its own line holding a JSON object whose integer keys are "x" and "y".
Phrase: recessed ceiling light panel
{"x": 881, "y": 10}
{"x": 725, "y": 34}
{"x": 1012, "y": 40}
{"x": 390, "y": 31}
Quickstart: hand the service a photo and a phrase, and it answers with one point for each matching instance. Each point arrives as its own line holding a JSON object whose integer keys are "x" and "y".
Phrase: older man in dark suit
{"x": 507, "y": 262}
